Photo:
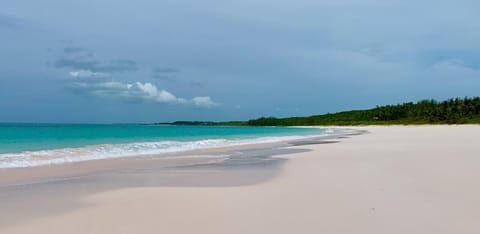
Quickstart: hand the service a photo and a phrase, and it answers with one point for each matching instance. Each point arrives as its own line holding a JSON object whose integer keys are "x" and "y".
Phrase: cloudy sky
{"x": 163, "y": 60}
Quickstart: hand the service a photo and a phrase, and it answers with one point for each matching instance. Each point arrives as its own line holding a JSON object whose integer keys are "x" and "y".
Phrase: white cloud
{"x": 140, "y": 92}
{"x": 203, "y": 102}
{"x": 154, "y": 94}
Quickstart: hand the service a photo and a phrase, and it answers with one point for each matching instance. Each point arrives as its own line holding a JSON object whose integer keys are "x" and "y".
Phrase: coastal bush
{"x": 451, "y": 111}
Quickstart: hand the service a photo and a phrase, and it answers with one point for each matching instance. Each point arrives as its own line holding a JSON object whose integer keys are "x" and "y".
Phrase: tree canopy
{"x": 452, "y": 111}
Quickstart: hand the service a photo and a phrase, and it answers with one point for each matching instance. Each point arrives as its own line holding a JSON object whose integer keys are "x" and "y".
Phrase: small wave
{"x": 105, "y": 151}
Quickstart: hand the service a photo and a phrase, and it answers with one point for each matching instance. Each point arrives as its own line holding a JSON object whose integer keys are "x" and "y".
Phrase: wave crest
{"x": 105, "y": 151}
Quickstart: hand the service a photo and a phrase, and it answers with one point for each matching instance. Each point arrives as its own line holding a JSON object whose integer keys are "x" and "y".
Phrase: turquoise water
{"x": 24, "y": 145}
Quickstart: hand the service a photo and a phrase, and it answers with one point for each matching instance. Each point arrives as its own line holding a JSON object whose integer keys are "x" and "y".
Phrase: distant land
{"x": 452, "y": 111}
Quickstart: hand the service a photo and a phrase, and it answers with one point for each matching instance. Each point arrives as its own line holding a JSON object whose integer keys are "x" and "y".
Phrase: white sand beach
{"x": 396, "y": 179}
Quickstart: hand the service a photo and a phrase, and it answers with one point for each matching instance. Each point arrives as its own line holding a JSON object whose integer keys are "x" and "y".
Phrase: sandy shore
{"x": 392, "y": 180}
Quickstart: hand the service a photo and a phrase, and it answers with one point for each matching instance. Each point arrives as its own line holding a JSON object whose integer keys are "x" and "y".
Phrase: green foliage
{"x": 452, "y": 111}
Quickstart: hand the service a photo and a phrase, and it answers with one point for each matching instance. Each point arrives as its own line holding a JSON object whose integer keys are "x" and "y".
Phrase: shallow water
{"x": 28, "y": 145}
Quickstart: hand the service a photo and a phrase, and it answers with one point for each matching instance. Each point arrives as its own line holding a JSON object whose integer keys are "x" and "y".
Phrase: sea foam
{"x": 106, "y": 151}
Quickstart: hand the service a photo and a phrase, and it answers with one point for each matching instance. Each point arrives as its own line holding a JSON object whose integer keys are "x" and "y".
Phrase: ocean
{"x": 30, "y": 145}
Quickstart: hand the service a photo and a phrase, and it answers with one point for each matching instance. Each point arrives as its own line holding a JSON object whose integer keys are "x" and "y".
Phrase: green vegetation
{"x": 452, "y": 111}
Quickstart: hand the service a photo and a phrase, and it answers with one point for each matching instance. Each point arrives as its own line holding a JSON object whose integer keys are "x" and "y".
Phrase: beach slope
{"x": 419, "y": 179}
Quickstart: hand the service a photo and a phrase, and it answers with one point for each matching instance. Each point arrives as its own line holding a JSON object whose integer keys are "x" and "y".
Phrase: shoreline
{"x": 203, "y": 156}
{"x": 419, "y": 179}
{"x": 170, "y": 148}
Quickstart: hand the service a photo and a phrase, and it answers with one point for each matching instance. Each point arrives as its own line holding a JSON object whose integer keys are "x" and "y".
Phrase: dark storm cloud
{"x": 78, "y": 58}
{"x": 77, "y": 64}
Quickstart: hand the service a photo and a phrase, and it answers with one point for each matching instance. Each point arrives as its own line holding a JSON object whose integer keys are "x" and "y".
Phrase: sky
{"x": 119, "y": 61}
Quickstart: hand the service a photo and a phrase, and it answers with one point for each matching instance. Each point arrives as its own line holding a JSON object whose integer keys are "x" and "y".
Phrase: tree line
{"x": 451, "y": 111}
